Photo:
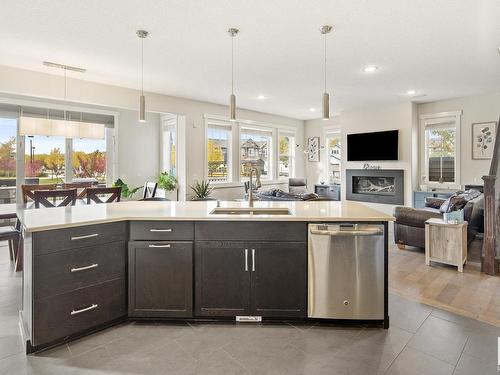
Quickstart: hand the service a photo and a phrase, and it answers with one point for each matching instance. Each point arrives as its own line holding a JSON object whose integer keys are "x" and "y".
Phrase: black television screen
{"x": 374, "y": 146}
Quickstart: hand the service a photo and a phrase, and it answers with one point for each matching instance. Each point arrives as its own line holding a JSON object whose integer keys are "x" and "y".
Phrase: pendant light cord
{"x": 65, "y": 90}
{"x": 232, "y": 64}
{"x": 325, "y": 63}
{"x": 142, "y": 66}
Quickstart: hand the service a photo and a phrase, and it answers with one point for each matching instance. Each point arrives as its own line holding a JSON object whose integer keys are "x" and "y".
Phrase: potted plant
{"x": 166, "y": 181}
{"x": 127, "y": 192}
{"x": 202, "y": 191}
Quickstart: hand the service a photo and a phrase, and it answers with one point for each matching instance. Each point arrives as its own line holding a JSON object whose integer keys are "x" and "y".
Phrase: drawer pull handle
{"x": 83, "y": 237}
{"x": 91, "y": 307}
{"x": 161, "y": 230}
{"x": 90, "y": 266}
{"x": 153, "y": 245}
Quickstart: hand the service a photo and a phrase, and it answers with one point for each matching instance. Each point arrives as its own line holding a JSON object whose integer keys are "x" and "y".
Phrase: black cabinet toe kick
{"x": 379, "y": 323}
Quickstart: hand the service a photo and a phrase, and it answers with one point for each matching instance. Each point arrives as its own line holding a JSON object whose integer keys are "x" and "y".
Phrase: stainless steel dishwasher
{"x": 346, "y": 271}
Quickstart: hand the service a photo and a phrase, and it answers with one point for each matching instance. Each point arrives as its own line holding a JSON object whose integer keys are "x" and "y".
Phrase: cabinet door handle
{"x": 253, "y": 260}
{"x": 166, "y": 245}
{"x": 246, "y": 259}
{"x": 83, "y": 237}
{"x": 90, "y": 266}
{"x": 161, "y": 230}
{"x": 91, "y": 307}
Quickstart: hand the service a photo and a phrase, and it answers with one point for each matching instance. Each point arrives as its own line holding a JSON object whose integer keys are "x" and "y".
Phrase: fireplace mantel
{"x": 375, "y": 185}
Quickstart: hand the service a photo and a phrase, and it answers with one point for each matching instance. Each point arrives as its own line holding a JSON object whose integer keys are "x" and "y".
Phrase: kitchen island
{"x": 89, "y": 267}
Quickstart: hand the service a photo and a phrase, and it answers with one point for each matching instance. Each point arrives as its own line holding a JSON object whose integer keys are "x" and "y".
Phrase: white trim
{"x": 249, "y": 122}
{"x": 429, "y": 120}
{"x": 440, "y": 114}
{"x": 44, "y": 103}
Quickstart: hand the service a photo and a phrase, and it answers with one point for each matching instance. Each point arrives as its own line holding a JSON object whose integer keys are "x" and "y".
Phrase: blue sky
{"x": 45, "y": 144}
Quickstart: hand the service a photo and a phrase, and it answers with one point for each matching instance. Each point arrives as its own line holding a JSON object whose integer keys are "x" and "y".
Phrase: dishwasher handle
{"x": 375, "y": 231}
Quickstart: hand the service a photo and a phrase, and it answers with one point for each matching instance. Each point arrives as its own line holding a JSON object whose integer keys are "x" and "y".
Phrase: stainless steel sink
{"x": 250, "y": 211}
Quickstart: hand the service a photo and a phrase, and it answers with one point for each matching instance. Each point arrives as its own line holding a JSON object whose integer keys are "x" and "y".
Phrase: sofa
{"x": 409, "y": 227}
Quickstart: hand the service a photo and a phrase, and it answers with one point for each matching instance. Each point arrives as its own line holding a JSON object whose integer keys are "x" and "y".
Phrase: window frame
{"x": 234, "y": 154}
{"x": 443, "y": 120}
{"x": 230, "y": 125}
{"x": 292, "y": 153}
{"x": 270, "y": 152}
{"x": 332, "y": 134}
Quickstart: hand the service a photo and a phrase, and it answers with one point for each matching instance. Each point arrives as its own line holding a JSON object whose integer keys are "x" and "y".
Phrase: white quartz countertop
{"x": 34, "y": 220}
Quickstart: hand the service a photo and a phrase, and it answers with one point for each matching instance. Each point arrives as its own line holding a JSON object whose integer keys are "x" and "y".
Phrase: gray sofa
{"x": 409, "y": 228}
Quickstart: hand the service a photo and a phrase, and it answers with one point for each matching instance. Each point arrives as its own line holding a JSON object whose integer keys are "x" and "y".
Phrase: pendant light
{"x": 142, "y": 34}
{"x": 326, "y": 97}
{"x": 232, "y": 98}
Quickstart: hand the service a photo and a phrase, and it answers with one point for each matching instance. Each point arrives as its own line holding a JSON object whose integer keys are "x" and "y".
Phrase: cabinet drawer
{"x": 65, "y": 271}
{"x": 162, "y": 230}
{"x": 251, "y": 231}
{"x": 51, "y": 241}
{"x": 71, "y": 313}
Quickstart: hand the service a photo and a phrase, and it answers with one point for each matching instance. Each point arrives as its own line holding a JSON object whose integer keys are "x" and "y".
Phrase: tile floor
{"x": 422, "y": 340}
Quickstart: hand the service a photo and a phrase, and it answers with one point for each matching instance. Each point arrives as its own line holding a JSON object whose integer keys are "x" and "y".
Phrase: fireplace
{"x": 375, "y": 185}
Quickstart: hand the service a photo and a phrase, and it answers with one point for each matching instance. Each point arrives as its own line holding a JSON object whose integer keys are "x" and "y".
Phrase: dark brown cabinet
{"x": 279, "y": 279}
{"x": 266, "y": 279}
{"x": 222, "y": 278}
{"x": 160, "y": 278}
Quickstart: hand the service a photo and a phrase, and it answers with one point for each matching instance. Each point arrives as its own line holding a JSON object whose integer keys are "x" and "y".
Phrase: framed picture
{"x": 483, "y": 139}
{"x": 313, "y": 149}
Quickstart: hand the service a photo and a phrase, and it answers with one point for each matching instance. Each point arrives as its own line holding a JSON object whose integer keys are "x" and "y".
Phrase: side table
{"x": 446, "y": 243}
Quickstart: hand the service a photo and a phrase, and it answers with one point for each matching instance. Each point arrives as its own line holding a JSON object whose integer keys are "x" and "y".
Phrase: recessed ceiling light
{"x": 261, "y": 97}
{"x": 370, "y": 68}
{"x": 312, "y": 109}
{"x": 411, "y": 92}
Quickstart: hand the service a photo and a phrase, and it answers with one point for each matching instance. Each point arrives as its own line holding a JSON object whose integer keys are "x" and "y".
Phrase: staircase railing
{"x": 491, "y": 212}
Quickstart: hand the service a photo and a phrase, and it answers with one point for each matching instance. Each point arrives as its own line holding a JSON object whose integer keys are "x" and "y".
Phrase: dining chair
{"x": 67, "y": 197}
{"x": 95, "y": 194}
{"x": 149, "y": 190}
{"x": 12, "y": 236}
{"x": 80, "y": 186}
{"x": 27, "y": 190}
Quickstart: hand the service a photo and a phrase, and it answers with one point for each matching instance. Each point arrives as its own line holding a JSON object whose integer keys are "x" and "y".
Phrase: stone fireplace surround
{"x": 375, "y": 185}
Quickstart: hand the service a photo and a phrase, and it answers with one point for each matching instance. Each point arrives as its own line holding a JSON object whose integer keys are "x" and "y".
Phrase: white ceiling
{"x": 444, "y": 48}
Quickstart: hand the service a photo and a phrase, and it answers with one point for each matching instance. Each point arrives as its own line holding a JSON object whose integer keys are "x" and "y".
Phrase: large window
{"x": 334, "y": 157}
{"x": 441, "y": 144}
{"x": 286, "y": 167}
{"x": 256, "y": 152}
{"x": 44, "y": 159}
{"x": 235, "y": 148}
{"x": 89, "y": 159}
{"x": 218, "y": 152}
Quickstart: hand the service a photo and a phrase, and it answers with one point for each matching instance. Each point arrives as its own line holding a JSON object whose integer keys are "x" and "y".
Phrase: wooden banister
{"x": 491, "y": 210}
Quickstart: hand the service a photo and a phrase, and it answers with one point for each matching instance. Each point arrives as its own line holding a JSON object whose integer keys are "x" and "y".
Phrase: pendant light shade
{"x": 232, "y": 98}
{"x": 142, "y": 109}
{"x": 326, "y": 96}
{"x": 326, "y": 106}
{"x": 142, "y": 34}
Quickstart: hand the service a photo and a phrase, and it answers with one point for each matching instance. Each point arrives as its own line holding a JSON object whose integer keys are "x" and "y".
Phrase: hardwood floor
{"x": 471, "y": 293}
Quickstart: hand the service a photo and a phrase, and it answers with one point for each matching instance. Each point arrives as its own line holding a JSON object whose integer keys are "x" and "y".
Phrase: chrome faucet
{"x": 250, "y": 187}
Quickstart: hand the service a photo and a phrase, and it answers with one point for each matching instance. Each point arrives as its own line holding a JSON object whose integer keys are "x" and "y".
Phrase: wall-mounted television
{"x": 375, "y": 146}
